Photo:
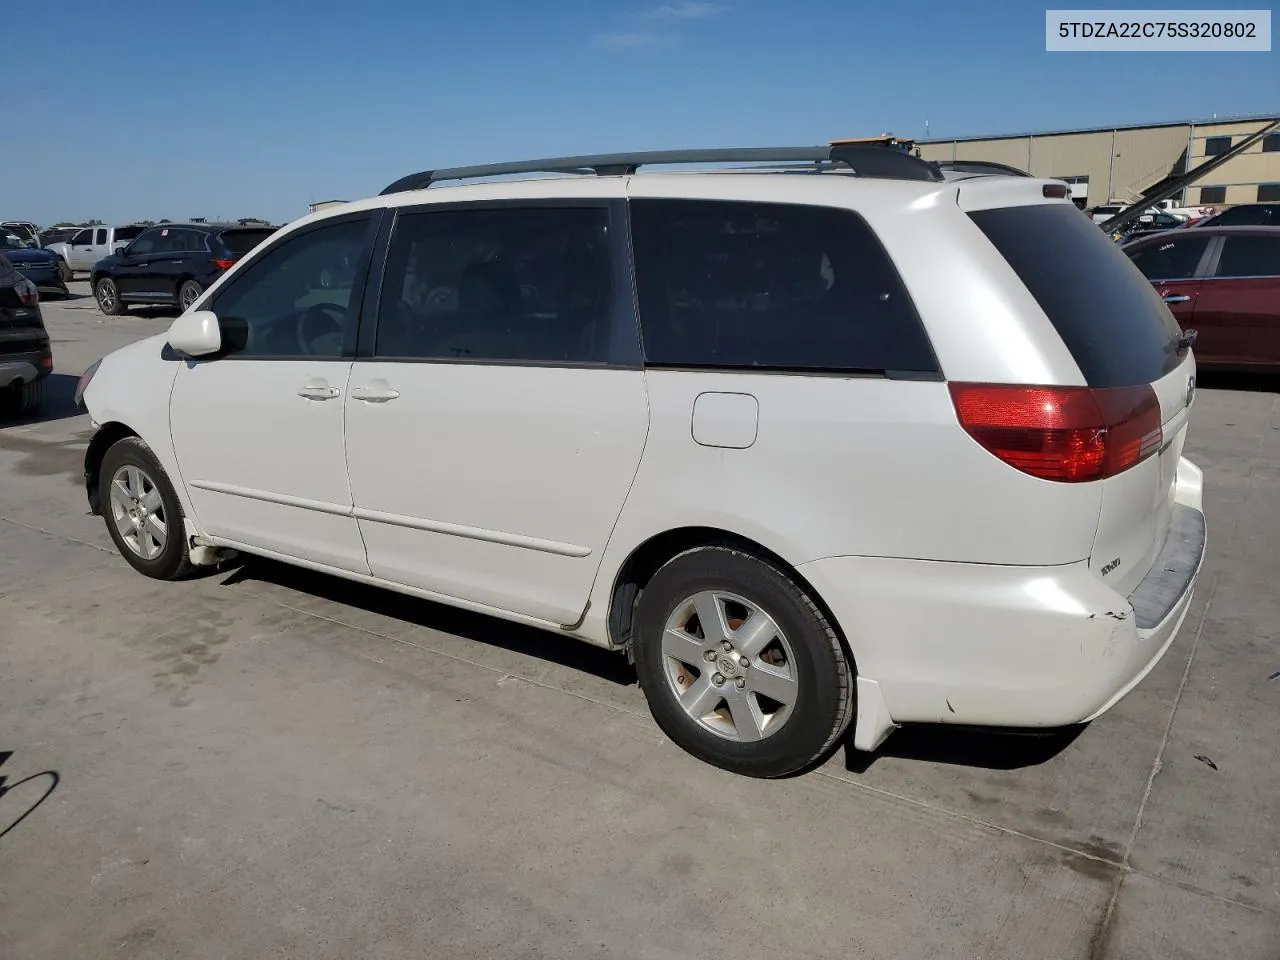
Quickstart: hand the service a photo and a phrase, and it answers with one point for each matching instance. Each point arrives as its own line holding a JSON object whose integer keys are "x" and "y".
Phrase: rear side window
{"x": 522, "y": 285}
{"x": 1109, "y": 316}
{"x": 241, "y": 242}
{"x": 1250, "y": 257}
{"x": 735, "y": 285}
{"x": 1172, "y": 259}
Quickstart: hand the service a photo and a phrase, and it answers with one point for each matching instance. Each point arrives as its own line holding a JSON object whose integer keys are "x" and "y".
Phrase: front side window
{"x": 82, "y": 239}
{"x": 759, "y": 286}
{"x": 520, "y": 284}
{"x": 298, "y": 299}
{"x": 147, "y": 242}
{"x": 1170, "y": 259}
{"x": 1256, "y": 256}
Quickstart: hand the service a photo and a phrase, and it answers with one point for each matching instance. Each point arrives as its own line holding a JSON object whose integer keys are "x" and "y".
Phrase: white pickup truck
{"x": 90, "y": 245}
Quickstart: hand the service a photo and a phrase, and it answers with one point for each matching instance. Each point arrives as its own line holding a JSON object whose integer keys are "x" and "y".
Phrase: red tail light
{"x": 224, "y": 264}
{"x": 1068, "y": 434}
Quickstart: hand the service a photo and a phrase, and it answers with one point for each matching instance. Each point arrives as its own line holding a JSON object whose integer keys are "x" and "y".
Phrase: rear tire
{"x": 30, "y": 398}
{"x": 188, "y": 294}
{"x": 771, "y": 644}
{"x": 108, "y": 297}
{"x": 143, "y": 514}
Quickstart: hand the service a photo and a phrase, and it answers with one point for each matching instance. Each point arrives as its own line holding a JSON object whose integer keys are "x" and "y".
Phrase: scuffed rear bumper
{"x": 1006, "y": 645}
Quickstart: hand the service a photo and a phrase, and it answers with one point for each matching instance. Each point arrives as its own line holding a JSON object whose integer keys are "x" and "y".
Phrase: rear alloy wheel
{"x": 739, "y": 665}
{"x": 189, "y": 293}
{"x": 143, "y": 514}
{"x": 108, "y": 297}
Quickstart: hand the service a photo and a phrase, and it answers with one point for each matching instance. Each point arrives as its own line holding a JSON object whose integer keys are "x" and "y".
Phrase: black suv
{"x": 171, "y": 264}
{"x": 25, "y": 356}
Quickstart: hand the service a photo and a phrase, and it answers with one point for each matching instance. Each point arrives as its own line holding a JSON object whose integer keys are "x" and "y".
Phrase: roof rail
{"x": 865, "y": 161}
{"x": 981, "y": 166}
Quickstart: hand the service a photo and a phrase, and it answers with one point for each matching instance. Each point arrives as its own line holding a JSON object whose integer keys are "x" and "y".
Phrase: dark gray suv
{"x": 25, "y": 355}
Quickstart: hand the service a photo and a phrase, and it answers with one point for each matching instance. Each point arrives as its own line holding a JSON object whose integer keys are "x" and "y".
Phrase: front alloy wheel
{"x": 108, "y": 297}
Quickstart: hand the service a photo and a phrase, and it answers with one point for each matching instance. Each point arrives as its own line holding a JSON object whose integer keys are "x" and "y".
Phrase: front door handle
{"x": 316, "y": 391}
{"x": 1176, "y": 298}
{"x": 377, "y": 391}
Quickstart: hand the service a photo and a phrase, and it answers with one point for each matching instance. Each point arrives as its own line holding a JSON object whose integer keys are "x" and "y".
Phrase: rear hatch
{"x": 1129, "y": 350}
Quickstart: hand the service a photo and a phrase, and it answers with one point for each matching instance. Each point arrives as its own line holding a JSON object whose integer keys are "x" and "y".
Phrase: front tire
{"x": 108, "y": 297}
{"x": 143, "y": 514}
{"x": 65, "y": 273}
{"x": 764, "y": 689}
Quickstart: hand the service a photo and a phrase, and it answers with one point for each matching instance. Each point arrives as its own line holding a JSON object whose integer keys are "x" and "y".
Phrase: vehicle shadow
{"x": 491, "y": 631}
{"x": 153, "y": 313}
{"x": 1240, "y": 381}
{"x": 954, "y": 745}
{"x": 14, "y": 812}
{"x": 59, "y": 403}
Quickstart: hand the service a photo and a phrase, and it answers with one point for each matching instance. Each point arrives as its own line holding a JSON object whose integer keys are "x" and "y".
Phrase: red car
{"x": 1224, "y": 283}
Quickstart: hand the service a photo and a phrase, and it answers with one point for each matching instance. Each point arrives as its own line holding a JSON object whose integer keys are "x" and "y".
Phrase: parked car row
{"x": 38, "y": 266}
{"x": 172, "y": 264}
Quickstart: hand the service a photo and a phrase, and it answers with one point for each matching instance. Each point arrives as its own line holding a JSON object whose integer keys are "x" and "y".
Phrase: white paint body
{"x": 965, "y": 589}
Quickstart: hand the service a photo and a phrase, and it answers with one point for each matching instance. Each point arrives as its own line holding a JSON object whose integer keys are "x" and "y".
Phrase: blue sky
{"x": 150, "y": 108}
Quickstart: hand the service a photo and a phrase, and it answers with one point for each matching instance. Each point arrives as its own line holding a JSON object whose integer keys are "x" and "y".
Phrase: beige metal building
{"x": 1118, "y": 163}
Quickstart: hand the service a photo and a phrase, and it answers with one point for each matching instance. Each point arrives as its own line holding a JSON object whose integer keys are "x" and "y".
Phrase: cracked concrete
{"x": 270, "y": 762}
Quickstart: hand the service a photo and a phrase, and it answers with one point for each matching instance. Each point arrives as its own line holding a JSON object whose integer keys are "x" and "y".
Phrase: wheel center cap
{"x": 727, "y": 665}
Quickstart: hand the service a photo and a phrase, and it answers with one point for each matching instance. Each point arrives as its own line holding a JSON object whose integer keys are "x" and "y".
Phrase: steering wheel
{"x": 320, "y": 316}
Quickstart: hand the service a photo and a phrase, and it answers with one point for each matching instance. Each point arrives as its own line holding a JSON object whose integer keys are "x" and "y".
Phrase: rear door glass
{"x": 1172, "y": 259}
{"x": 1108, "y": 314}
{"x": 1256, "y": 256}
{"x": 771, "y": 286}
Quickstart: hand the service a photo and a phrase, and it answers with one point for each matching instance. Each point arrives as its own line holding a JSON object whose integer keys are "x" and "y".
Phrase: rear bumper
{"x": 20, "y": 369}
{"x": 1004, "y": 645}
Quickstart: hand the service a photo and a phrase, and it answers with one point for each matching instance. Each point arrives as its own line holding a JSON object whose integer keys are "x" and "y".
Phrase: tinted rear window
{"x": 1109, "y": 316}
{"x": 128, "y": 233}
{"x": 241, "y": 242}
{"x": 738, "y": 285}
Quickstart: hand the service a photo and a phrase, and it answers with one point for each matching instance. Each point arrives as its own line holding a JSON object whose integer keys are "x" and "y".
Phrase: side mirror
{"x": 196, "y": 334}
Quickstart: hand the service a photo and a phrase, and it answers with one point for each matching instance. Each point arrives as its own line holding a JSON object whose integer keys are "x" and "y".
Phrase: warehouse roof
{"x": 1202, "y": 121}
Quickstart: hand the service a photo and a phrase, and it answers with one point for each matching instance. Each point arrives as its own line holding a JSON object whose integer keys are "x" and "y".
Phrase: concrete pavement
{"x": 266, "y": 762}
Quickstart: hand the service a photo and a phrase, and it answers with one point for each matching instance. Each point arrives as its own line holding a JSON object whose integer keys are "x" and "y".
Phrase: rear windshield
{"x": 1109, "y": 316}
{"x": 241, "y": 242}
{"x": 128, "y": 233}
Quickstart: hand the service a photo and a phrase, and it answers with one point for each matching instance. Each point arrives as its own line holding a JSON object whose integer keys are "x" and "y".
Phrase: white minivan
{"x": 840, "y": 438}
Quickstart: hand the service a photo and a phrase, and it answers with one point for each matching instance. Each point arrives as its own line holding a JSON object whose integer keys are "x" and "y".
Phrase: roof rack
{"x": 863, "y": 159}
{"x": 981, "y": 166}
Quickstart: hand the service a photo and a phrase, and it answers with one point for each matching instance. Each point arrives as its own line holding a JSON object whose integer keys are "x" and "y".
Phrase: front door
{"x": 134, "y": 264}
{"x": 1175, "y": 264}
{"x": 80, "y": 256}
{"x": 258, "y": 429}
{"x": 1238, "y": 310}
{"x": 498, "y": 412}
